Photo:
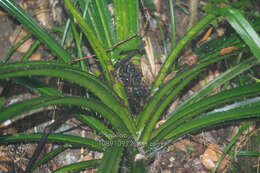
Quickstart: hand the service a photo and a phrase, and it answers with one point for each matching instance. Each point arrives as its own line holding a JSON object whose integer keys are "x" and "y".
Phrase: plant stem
{"x": 172, "y": 24}
{"x": 193, "y": 6}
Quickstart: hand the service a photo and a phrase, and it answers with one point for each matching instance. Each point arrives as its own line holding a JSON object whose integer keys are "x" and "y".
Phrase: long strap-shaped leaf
{"x": 50, "y": 156}
{"x": 143, "y": 116}
{"x": 221, "y": 79}
{"x": 58, "y": 65}
{"x": 43, "y": 89}
{"x": 112, "y": 156}
{"x": 181, "y": 44}
{"x": 84, "y": 79}
{"x": 167, "y": 127}
{"x": 76, "y": 141}
{"x": 126, "y": 21}
{"x": 206, "y": 104}
{"x": 94, "y": 82}
{"x": 161, "y": 108}
{"x": 239, "y": 134}
{"x": 32, "y": 104}
{"x": 104, "y": 59}
{"x": 94, "y": 42}
{"x": 37, "y": 86}
{"x": 35, "y": 29}
{"x": 89, "y": 164}
{"x": 99, "y": 18}
{"x": 247, "y": 110}
{"x": 107, "y": 23}
{"x": 97, "y": 125}
{"x": 238, "y": 111}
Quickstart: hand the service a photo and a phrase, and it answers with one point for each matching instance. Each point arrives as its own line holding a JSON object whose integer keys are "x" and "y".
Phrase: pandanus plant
{"x": 124, "y": 135}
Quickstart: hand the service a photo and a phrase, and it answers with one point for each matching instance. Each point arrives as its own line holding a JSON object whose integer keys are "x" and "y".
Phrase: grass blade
{"x": 248, "y": 153}
{"x": 31, "y": 50}
{"x": 231, "y": 143}
{"x": 50, "y": 155}
{"x": 106, "y": 20}
{"x": 14, "y": 47}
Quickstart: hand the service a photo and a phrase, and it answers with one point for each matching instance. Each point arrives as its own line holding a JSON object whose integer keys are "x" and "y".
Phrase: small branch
{"x": 193, "y": 5}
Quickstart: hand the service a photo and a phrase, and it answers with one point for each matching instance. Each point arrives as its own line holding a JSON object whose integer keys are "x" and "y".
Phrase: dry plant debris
{"x": 211, "y": 156}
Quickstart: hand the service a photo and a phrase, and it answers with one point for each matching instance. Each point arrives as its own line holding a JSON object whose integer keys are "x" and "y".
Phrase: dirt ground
{"x": 194, "y": 153}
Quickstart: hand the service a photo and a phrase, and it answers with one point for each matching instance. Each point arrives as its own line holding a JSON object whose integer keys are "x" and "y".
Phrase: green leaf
{"x": 45, "y": 90}
{"x": 182, "y": 113}
{"x": 97, "y": 125}
{"x": 75, "y": 141}
{"x": 221, "y": 79}
{"x": 78, "y": 43}
{"x": 32, "y": 104}
{"x": 106, "y": 20}
{"x": 37, "y": 86}
{"x": 172, "y": 24}
{"x": 242, "y": 27}
{"x": 34, "y": 27}
{"x": 99, "y": 19}
{"x": 149, "y": 5}
{"x": 150, "y": 125}
{"x": 231, "y": 143}
{"x": 50, "y": 155}
{"x": 248, "y": 153}
{"x": 1, "y": 101}
{"x": 151, "y": 106}
{"x": 211, "y": 102}
{"x": 31, "y": 50}
{"x": 126, "y": 21}
{"x": 14, "y": 47}
{"x": 104, "y": 59}
{"x": 101, "y": 90}
{"x": 90, "y": 164}
{"x": 97, "y": 46}
{"x": 112, "y": 156}
{"x": 181, "y": 44}
{"x": 238, "y": 111}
